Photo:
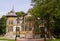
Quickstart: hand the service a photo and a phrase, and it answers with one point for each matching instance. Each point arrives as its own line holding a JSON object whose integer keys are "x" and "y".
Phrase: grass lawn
{"x": 3, "y": 39}
{"x": 54, "y": 40}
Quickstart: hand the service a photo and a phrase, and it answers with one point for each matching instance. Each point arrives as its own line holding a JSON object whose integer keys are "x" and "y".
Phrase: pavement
{"x": 26, "y": 40}
{"x": 30, "y": 39}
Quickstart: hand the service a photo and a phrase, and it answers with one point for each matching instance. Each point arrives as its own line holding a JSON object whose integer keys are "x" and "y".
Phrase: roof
{"x": 11, "y": 14}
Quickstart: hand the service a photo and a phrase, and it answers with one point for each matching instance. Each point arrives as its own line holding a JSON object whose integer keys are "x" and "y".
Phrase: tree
{"x": 46, "y": 10}
{"x": 19, "y": 14}
{"x": 3, "y": 25}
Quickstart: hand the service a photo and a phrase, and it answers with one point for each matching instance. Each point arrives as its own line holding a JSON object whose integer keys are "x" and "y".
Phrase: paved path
{"x": 30, "y": 40}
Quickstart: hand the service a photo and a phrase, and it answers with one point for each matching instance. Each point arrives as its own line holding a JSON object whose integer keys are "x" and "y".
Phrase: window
{"x": 28, "y": 28}
{"x": 17, "y": 29}
{"x": 10, "y": 21}
{"x": 10, "y": 29}
{"x": 23, "y": 28}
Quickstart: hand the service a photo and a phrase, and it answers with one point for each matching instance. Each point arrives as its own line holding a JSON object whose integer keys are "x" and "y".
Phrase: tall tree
{"x": 46, "y": 9}
{"x": 2, "y": 25}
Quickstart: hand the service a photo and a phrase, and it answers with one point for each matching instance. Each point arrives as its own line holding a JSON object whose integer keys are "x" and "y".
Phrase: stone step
{"x": 9, "y": 36}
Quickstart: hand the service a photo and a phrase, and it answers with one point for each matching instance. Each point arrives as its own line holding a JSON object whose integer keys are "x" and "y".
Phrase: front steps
{"x": 11, "y": 35}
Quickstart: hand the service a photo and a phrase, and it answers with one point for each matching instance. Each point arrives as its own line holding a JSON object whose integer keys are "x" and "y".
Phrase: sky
{"x": 19, "y": 5}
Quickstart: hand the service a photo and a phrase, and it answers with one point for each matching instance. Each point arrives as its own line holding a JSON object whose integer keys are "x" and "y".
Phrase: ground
{"x": 54, "y": 40}
{"x": 3, "y": 39}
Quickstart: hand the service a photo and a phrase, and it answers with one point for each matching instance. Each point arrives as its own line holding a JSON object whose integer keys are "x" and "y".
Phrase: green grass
{"x": 54, "y": 40}
{"x": 4, "y": 39}
{"x": 7, "y": 40}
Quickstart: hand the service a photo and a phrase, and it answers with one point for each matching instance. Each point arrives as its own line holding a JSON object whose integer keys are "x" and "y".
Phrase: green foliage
{"x": 56, "y": 28}
{"x": 46, "y": 6}
{"x": 3, "y": 25}
{"x": 19, "y": 14}
{"x": 49, "y": 11}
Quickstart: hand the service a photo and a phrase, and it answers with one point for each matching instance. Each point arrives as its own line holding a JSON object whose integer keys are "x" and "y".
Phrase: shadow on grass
{"x": 53, "y": 40}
